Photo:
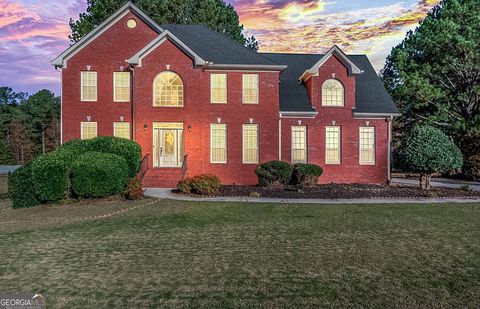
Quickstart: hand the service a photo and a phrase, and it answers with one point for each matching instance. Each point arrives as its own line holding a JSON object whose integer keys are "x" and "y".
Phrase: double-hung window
{"x": 218, "y": 88}
{"x": 88, "y": 130}
{"x": 121, "y": 86}
{"x": 88, "y": 91}
{"x": 250, "y": 143}
{"x": 299, "y": 144}
{"x": 250, "y": 89}
{"x": 367, "y": 145}
{"x": 332, "y": 145}
{"x": 218, "y": 143}
{"x": 121, "y": 129}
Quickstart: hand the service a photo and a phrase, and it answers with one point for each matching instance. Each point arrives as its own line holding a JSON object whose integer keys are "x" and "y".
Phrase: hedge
{"x": 51, "y": 177}
{"x": 202, "y": 184}
{"x": 96, "y": 174}
{"x": 20, "y": 187}
{"x": 306, "y": 175}
{"x": 274, "y": 173}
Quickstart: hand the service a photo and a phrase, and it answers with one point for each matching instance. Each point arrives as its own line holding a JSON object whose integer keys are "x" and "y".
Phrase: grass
{"x": 201, "y": 254}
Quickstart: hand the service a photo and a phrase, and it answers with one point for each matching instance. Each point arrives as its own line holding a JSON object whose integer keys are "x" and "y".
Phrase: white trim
{"x": 257, "y": 88}
{"x": 243, "y": 143}
{"x": 339, "y": 145}
{"x": 154, "y": 97}
{"x": 244, "y": 67}
{"x": 353, "y": 69}
{"x": 226, "y": 89}
{"x": 81, "y": 86}
{"x": 389, "y": 149}
{"x": 61, "y": 106}
{"x": 115, "y": 86}
{"x": 211, "y": 142}
{"x": 61, "y": 60}
{"x": 323, "y": 103}
{"x": 307, "y": 115}
{"x": 304, "y": 127}
{"x": 280, "y": 139}
{"x": 365, "y": 163}
{"x": 136, "y": 60}
{"x": 375, "y": 115}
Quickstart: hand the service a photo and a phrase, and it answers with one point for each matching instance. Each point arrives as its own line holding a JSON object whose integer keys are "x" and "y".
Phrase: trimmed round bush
{"x": 202, "y": 184}
{"x": 96, "y": 174}
{"x": 20, "y": 187}
{"x": 306, "y": 175}
{"x": 51, "y": 177}
{"x": 274, "y": 173}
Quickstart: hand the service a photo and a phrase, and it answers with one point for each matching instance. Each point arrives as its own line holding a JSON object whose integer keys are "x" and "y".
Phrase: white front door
{"x": 168, "y": 145}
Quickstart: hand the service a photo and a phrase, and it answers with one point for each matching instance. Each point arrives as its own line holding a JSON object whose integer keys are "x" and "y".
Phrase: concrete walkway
{"x": 167, "y": 193}
{"x": 438, "y": 183}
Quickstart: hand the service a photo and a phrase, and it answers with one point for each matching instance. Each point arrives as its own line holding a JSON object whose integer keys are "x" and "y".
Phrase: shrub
{"x": 427, "y": 150}
{"x": 472, "y": 167}
{"x": 96, "y": 174}
{"x": 51, "y": 177}
{"x": 306, "y": 175}
{"x": 20, "y": 187}
{"x": 134, "y": 190}
{"x": 203, "y": 184}
{"x": 274, "y": 173}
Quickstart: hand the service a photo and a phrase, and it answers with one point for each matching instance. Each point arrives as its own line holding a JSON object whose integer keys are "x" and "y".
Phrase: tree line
{"x": 29, "y": 125}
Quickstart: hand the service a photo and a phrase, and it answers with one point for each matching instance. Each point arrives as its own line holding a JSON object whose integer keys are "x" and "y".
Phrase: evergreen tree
{"x": 434, "y": 74}
{"x": 215, "y": 14}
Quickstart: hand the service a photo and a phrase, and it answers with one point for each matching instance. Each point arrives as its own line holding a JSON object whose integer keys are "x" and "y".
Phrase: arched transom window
{"x": 167, "y": 89}
{"x": 332, "y": 93}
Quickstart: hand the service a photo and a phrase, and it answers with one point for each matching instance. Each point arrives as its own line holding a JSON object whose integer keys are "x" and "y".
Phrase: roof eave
{"x": 375, "y": 115}
{"x": 298, "y": 114}
{"x": 255, "y": 67}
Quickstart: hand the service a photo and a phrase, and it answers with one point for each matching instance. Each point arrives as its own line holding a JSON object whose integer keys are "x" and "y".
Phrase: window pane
{"x": 88, "y": 130}
{"x": 121, "y": 90}
{"x": 89, "y": 86}
{"x": 367, "y": 145}
{"x": 332, "y": 145}
{"x": 218, "y": 88}
{"x": 332, "y": 93}
{"x": 218, "y": 143}
{"x": 167, "y": 90}
{"x": 250, "y": 143}
{"x": 299, "y": 144}
{"x": 121, "y": 129}
{"x": 250, "y": 88}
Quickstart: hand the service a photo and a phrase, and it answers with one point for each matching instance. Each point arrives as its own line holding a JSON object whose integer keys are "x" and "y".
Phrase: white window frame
{"x": 243, "y": 143}
{"x": 81, "y": 86}
{"x": 115, "y": 129}
{"x": 339, "y": 130}
{"x": 244, "y": 82}
{"x": 303, "y": 129}
{"x": 224, "y": 101}
{"x": 212, "y": 125}
{"x": 324, "y": 102}
{"x": 115, "y": 87}
{"x": 368, "y": 130}
{"x": 155, "y": 94}
{"x": 88, "y": 122}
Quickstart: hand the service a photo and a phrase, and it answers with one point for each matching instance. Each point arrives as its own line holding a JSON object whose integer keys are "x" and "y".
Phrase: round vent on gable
{"x": 131, "y": 23}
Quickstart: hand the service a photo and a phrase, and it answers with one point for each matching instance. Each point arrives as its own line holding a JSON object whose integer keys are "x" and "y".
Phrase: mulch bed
{"x": 345, "y": 191}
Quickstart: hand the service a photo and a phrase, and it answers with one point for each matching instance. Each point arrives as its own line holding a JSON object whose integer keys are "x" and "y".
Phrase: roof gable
{"x": 61, "y": 60}
{"x": 353, "y": 69}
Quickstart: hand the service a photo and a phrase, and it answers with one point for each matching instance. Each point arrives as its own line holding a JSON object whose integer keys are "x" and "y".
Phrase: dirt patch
{"x": 345, "y": 191}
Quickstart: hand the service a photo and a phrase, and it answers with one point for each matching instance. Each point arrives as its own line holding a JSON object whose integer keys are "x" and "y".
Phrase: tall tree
{"x": 434, "y": 74}
{"x": 216, "y": 14}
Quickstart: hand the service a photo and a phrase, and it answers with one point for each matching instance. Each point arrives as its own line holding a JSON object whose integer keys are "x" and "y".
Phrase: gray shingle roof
{"x": 371, "y": 95}
{"x": 215, "y": 47}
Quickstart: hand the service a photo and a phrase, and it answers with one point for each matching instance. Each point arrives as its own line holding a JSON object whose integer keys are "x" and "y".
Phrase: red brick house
{"x": 198, "y": 102}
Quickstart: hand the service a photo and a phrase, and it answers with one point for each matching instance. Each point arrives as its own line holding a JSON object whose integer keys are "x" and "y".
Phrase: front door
{"x": 168, "y": 145}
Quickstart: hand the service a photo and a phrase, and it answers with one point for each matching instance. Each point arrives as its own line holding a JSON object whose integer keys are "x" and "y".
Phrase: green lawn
{"x": 190, "y": 254}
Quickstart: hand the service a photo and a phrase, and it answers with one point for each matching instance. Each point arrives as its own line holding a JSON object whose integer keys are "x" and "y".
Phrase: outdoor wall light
{"x": 145, "y": 127}
{"x": 189, "y": 127}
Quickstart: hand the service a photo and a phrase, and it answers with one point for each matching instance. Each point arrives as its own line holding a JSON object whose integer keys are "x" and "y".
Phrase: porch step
{"x": 161, "y": 178}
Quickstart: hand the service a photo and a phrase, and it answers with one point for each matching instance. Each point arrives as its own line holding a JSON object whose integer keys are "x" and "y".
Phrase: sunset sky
{"x": 33, "y": 32}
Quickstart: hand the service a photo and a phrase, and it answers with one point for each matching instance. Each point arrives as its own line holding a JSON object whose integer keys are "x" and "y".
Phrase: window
{"x": 88, "y": 130}
{"x": 218, "y": 88}
{"x": 332, "y": 144}
{"x": 367, "y": 145}
{"x": 218, "y": 143}
{"x": 250, "y": 89}
{"x": 167, "y": 89}
{"x": 121, "y": 129}
{"x": 88, "y": 86}
{"x": 332, "y": 93}
{"x": 299, "y": 144}
{"x": 121, "y": 86}
{"x": 250, "y": 143}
